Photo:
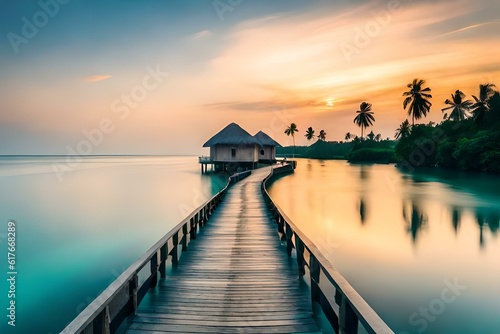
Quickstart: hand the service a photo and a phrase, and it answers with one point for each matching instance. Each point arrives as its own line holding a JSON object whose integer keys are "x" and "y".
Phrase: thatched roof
{"x": 232, "y": 134}
{"x": 265, "y": 140}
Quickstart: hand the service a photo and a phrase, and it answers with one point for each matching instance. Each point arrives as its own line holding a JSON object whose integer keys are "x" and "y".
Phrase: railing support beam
{"x": 348, "y": 321}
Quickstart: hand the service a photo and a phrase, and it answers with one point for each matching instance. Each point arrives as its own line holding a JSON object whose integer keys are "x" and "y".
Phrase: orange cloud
{"x": 96, "y": 78}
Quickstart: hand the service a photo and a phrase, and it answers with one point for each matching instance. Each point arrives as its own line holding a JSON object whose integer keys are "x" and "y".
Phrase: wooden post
{"x": 281, "y": 228}
{"x": 202, "y": 217}
{"x": 289, "y": 243}
{"x": 154, "y": 270}
{"x": 184, "y": 237}
{"x": 299, "y": 247}
{"x": 192, "y": 229}
{"x": 196, "y": 222}
{"x": 133, "y": 288}
{"x": 315, "y": 273}
{"x": 174, "y": 251}
{"x": 348, "y": 321}
{"x": 105, "y": 321}
{"x": 163, "y": 260}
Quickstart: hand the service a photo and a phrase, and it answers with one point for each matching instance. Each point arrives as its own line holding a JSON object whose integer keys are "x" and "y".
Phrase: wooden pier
{"x": 235, "y": 276}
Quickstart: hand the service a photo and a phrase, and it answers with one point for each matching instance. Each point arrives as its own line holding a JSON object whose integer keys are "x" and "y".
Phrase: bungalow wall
{"x": 234, "y": 153}
{"x": 267, "y": 153}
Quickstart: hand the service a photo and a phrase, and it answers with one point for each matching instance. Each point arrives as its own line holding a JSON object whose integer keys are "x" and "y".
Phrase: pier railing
{"x": 342, "y": 305}
{"x": 204, "y": 159}
{"x": 121, "y": 299}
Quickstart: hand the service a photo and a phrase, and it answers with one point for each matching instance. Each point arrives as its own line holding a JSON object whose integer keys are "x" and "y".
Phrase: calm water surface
{"x": 403, "y": 239}
{"x": 76, "y": 236}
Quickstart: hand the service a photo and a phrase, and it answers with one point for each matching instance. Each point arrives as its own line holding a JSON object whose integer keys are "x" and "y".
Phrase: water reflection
{"x": 398, "y": 235}
{"x": 456, "y": 218}
{"x": 364, "y": 173}
{"x": 362, "y": 211}
{"x": 487, "y": 218}
{"x": 414, "y": 218}
{"x": 309, "y": 166}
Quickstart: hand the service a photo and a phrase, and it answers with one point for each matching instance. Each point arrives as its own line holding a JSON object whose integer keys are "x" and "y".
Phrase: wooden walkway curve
{"x": 234, "y": 278}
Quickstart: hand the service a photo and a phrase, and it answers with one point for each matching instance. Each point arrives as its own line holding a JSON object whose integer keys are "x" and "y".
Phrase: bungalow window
{"x": 233, "y": 153}
{"x": 261, "y": 152}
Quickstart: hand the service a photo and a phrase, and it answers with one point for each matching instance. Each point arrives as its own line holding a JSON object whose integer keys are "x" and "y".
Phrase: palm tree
{"x": 404, "y": 130}
{"x": 365, "y": 116}
{"x": 459, "y": 107}
{"x": 378, "y": 137}
{"x": 482, "y": 106}
{"x": 348, "y": 136}
{"x": 290, "y": 131}
{"x": 309, "y": 133}
{"x": 417, "y": 97}
{"x": 322, "y": 135}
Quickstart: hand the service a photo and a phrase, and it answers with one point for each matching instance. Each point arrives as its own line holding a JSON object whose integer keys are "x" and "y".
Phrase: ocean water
{"x": 80, "y": 225}
{"x": 421, "y": 248}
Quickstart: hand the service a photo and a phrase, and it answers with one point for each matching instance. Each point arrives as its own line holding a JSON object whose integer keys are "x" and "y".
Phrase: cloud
{"x": 266, "y": 105}
{"x": 202, "y": 34}
{"x": 473, "y": 26}
{"x": 96, "y": 78}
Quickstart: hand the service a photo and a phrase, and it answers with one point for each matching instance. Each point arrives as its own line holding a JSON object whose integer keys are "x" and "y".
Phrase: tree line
{"x": 467, "y": 124}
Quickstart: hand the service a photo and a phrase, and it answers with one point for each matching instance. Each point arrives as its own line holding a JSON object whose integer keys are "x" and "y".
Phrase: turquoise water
{"x": 77, "y": 233}
{"x": 422, "y": 249}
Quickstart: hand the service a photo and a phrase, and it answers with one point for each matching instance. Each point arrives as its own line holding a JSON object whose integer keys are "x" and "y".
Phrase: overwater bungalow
{"x": 234, "y": 149}
{"x": 267, "y": 153}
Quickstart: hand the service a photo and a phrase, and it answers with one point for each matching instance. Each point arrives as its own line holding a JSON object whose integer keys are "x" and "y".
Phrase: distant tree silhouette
{"x": 322, "y": 135}
{"x": 371, "y": 135}
{"x": 290, "y": 131}
{"x": 365, "y": 116}
{"x": 482, "y": 106}
{"x": 404, "y": 130}
{"x": 459, "y": 107}
{"x": 309, "y": 133}
{"x": 417, "y": 100}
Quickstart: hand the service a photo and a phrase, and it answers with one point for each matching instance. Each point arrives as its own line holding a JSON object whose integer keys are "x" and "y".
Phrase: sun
{"x": 329, "y": 102}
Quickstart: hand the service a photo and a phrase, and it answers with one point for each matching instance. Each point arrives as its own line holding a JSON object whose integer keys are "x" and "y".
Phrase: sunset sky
{"x": 161, "y": 77}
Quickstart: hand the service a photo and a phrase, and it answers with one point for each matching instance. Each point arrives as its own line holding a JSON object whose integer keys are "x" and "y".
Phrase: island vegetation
{"x": 468, "y": 137}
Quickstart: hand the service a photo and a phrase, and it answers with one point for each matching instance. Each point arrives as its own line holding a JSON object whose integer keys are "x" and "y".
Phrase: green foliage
{"x": 490, "y": 161}
{"x": 467, "y": 153}
{"x": 445, "y": 154}
{"x": 481, "y": 152}
{"x": 288, "y": 151}
{"x": 419, "y": 148}
{"x": 384, "y": 144}
{"x": 466, "y": 144}
{"x": 377, "y": 155}
{"x": 372, "y": 151}
{"x": 329, "y": 150}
